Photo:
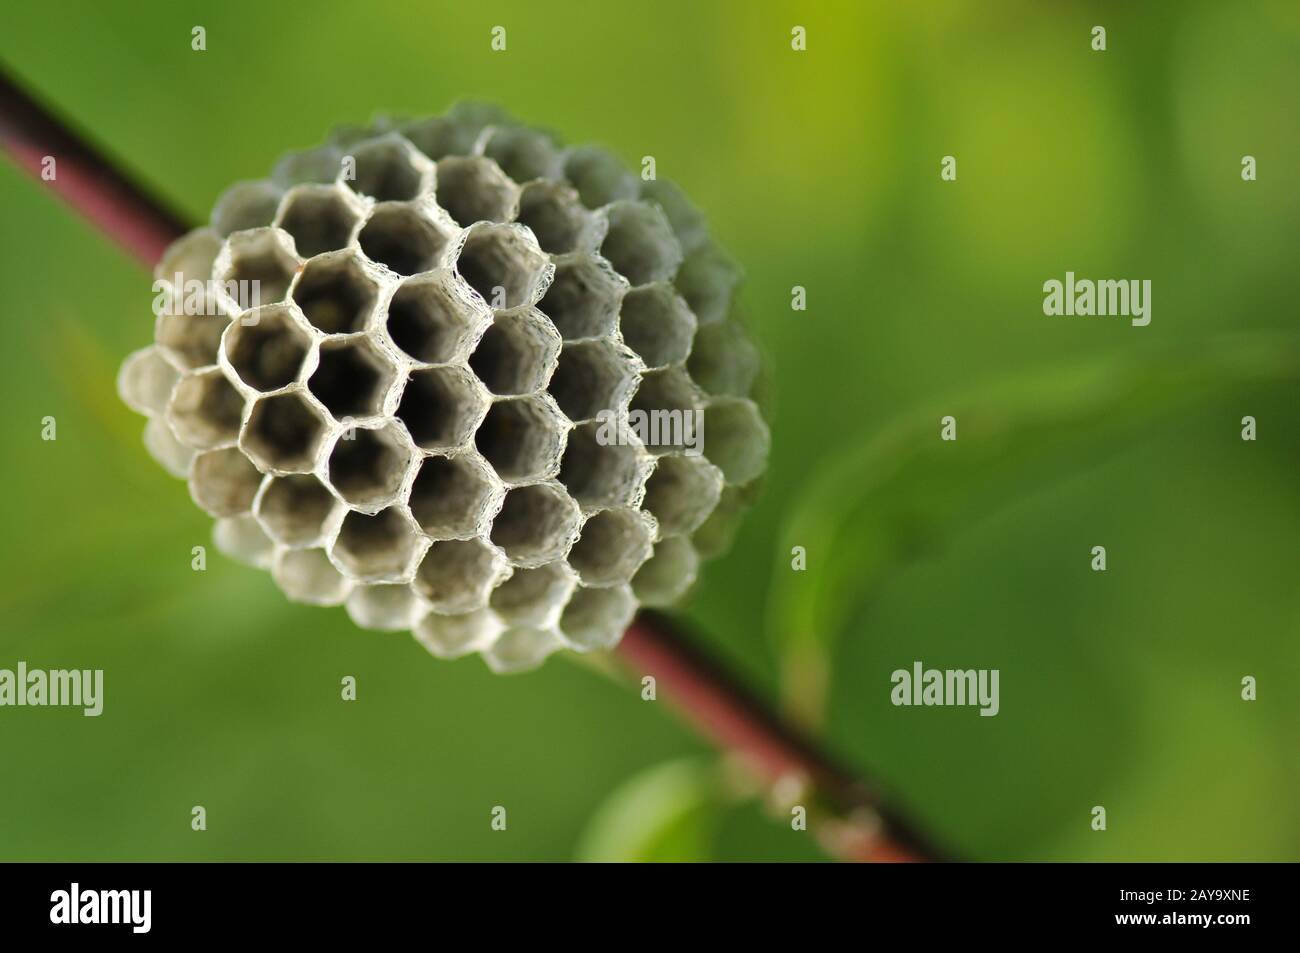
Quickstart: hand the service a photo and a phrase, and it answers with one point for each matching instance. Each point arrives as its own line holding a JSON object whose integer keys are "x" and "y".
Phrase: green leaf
{"x": 668, "y": 813}
{"x": 890, "y": 498}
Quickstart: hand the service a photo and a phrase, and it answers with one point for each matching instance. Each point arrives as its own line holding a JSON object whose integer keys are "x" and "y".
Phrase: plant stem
{"x": 846, "y": 813}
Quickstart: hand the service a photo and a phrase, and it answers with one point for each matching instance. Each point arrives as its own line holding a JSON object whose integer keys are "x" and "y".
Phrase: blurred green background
{"x": 818, "y": 169}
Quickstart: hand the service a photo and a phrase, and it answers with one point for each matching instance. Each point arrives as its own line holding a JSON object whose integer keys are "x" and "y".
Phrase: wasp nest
{"x": 460, "y": 380}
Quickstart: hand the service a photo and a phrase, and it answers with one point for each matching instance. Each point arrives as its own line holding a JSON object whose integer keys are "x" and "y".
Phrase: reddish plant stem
{"x": 83, "y": 177}
{"x": 857, "y": 826}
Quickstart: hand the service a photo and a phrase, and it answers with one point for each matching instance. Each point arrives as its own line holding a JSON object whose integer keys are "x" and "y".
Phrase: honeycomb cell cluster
{"x": 460, "y": 380}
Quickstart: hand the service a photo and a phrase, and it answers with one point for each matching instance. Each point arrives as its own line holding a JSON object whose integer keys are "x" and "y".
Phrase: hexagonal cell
{"x": 599, "y": 473}
{"x": 376, "y": 548}
{"x": 555, "y": 214}
{"x": 456, "y": 575}
{"x": 319, "y": 165}
{"x": 736, "y": 438}
{"x": 146, "y": 380}
{"x": 706, "y": 279}
{"x": 245, "y": 205}
{"x": 522, "y": 438}
{"x": 536, "y": 524}
{"x": 335, "y": 293}
{"x": 724, "y": 360}
{"x": 611, "y": 548}
{"x": 666, "y": 412}
{"x": 453, "y": 636}
{"x": 452, "y": 134}
{"x": 352, "y": 378}
{"x": 283, "y": 433}
{"x": 348, "y": 134}
{"x": 384, "y": 607}
{"x": 367, "y": 466}
{"x": 657, "y": 324}
{"x": 534, "y": 596}
{"x": 320, "y": 218}
{"x": 522, "y": 153}
{"x": 681, "y": 493}
{"x": 520, "y": 649}
{"x": 716, "y": 534}
{"x": 431, "y": 320}
{"x": 307, "y": 575}
{"x": 256, "y": 267}
{"x": 193, "y": 340}
{"x": 174, "y": 456}
{"x": 189, "y": 258}
{"x": 686, "y": 221}
{"x": 240, "y": 538}
{"x": 442, "y": 407}
{"x": 503, "y": 264}
{"x": 598, "y": 176}
{"x": 266, "y": 348}
{"x": 517, "y": 353}
{"x": 597, "y": 618}
{"x": 224, "y": 482}
{"x": 388, "y": 169}
{"x": 403, "y": 238}
{"x": 583, "y": 299}
{"x": 297, "y": 510}
{"x": 205, "y": 409}
{"x": 640, "y": 243}
{"x": 454, "y": 496}
{"x": 594, "y": 376}
{"x": 668, "y": 574}
{"x": 474, "y": 189}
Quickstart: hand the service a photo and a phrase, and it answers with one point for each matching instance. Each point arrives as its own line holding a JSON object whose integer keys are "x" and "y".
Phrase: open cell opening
{"x": 429, "y": 322}
{"x": 451, "y": 496}
{"x": 295, "y": 510}
{"x": 598, "y": 176}
{"x": 375, "y": 547}
{"x": 352, "y": 378}
{"x": 583, "y": 299}
{"x": 682, "y": 492}
{"x": 657, "y": 324}
{"x": 402, "y": 238}
{"x": 388, "y": 170}
{"x": 457, "y": 575}
{"x": 474, "y": 189}
{"x": 335, "y": 294}
{"x": 522, "y": 438}
{"x": 640, "y": 243}
{"x": 320, "y": 218}
{"x": 611, "y": 548}
{"x": 536, "y": 524}
{"x": 555, "y": 215}
{"x": 284, "y": 433}
{"x": 591, "y": 377}
{"x": 205, "y": 409}
{"x": 260, "y": 268}
{"x": 516, "y": 354}
{"x": 597, "y": 618}
{"x": 366, "y": 467}
{"x": 267, "y": 348}
{"x": 224, "y": 482}
{"x": 600, "y": 474}
{"x": 533, "y": 596}
{"x": 441, "y": 407}
{"x": 501, "y": 264}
